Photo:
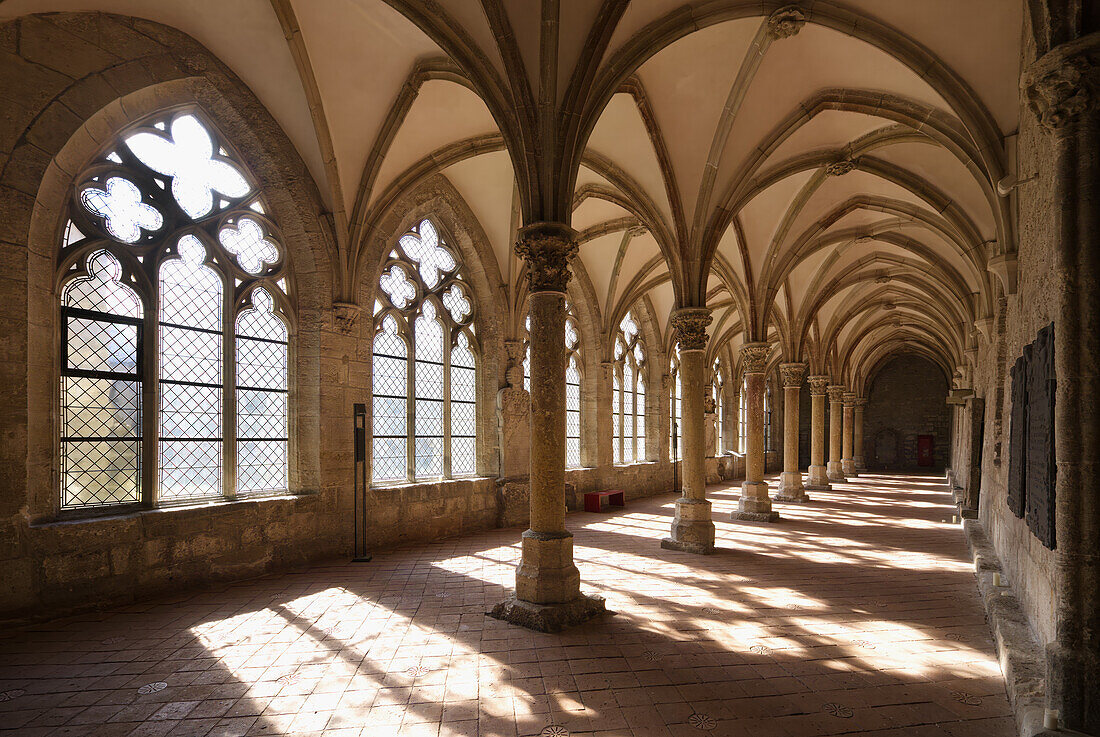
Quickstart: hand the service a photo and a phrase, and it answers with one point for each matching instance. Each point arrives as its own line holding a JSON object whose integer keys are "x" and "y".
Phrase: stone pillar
{"x": 857, "y": 436}
{"x": 818, "y": 479}
{"x": 847, "y": 460}
{"x": 836, "y": 432}
{"x": 1061, "y": 89}
{"x": 755, "y": 504}
{"x": 548, "y": 595}
{"x": 790, "y": 483}
{"x": 692, "y": 527}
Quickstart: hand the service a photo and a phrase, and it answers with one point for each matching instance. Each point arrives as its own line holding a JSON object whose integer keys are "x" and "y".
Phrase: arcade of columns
{"x": 548, "y": 595}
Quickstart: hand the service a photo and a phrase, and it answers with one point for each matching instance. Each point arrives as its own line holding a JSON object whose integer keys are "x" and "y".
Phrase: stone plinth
{"x": 791, "y": 488}
{"x": 755, "y": 506}
{"x": 549, "y": 617}
{"x": 692, "y": 527}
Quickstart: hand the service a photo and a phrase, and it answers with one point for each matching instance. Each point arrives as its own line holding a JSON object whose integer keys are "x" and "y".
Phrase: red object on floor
{"x": 615, "y": 497}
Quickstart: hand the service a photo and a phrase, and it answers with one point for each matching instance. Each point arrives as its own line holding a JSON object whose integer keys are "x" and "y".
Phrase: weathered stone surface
{"x": 549, "y": 617}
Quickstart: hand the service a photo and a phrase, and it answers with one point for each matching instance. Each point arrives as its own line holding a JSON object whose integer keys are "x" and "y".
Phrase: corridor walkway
{"x": 857, "y": 614}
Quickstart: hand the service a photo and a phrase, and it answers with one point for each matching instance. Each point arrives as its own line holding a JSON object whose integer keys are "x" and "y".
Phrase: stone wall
{"x": 906, "y": 399}
{"x": 1018, "y": 317}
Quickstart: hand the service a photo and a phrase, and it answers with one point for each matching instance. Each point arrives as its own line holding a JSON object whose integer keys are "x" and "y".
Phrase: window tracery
{"x": 424, "y": 351}
{"x": 168, "y": 241}
{"x": 628, "y": 398}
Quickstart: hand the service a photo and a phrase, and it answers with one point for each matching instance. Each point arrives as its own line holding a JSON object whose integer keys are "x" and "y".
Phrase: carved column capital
{"x": 513, "y": 375}
{"x": 836, "y": 392}
{"x": 786, "y": 22}
{"x": 818, "y": 385}
{"x": 850, "y": 399}
{"x": 1061, "y": 86}
{"x": 861, "y": 402}
{"x": 792, "y": 374}
{"x": 690, "y": 324}
{"x": 547, "y": 249}
{"x": 708, "y": 404}
{"x": 754, "y": 357}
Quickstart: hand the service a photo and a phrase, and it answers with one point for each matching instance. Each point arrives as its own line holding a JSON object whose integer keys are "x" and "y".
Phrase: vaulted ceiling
{"x": 821, "y": 174}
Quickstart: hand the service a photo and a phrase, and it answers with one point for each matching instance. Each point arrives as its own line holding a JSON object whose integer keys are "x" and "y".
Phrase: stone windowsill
{"x": 80, "y": 517}
{"x": 425, "y": 483}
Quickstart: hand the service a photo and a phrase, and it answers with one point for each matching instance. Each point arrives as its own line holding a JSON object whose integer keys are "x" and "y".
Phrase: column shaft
{"x": 848, "y": 459}
{"x": 790, "y": 482}
{"x": 836, "y": 433}
{"x": 755, "y": 504}
{"x": 818, "y": 476}
{"x": 691, "y": 405}
{"x": 857, "y": 437}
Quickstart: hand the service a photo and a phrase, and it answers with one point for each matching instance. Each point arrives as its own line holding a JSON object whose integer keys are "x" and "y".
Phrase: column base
{"x": 849, "y": 467}
{"x": 755, "y": 506}
{"x": 549, "y": 617}
{"x": 692, "y": 528}
{"x": 791, "y": 488}
{"x": 546, "y": 574}
{"x": 835, "y": 471}
{"x": 817, "y": 480}
{"x": 860, "y": 465}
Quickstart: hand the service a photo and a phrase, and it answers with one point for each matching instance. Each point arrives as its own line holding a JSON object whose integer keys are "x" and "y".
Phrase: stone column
{"x": 755, "y": 504}
{"x": 847, "y": 460}
{"x": 692, "y": 527}
{"x": 836, "y": 432}
{"x": 1061, "y": 89}
{"x": 790, "y": 483}
{"x": 857, "y": 436}
{"x": 548, "y": 595}
{"x": 819, "y": 479}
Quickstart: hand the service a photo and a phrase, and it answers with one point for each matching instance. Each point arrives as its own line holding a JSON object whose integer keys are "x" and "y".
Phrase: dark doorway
{"x": 925, "y": 451}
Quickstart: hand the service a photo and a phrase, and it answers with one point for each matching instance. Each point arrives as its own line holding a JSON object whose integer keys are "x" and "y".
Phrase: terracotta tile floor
{"x": 857, "y": 614}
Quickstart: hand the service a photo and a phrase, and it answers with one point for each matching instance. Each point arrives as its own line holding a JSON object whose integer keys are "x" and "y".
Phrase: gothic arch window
{"x": 743, "y": 416}
{"x": 676, "y": 427}
{"x": 628, "y": 398}
{"x": 716, "y": 389}
{"x": 175, "y": 325}
{"x": 425, "y": 364}
{"x": 573, "y": 377}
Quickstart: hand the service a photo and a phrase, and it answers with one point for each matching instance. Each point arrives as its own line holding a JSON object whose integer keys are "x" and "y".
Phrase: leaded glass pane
{"x": 639, "y": 422}
{"x": 190, "y": 376}
{"x": 463, "y": 408}
{"x": 261, "y": 399}
{"x": 628, "y": 413}
{"x": 100, "y": 389}
{"x": 433, "y": 258}
{"x": 390, "y": 394}
{"x": 616, "y": 419}
{"x": 572, "y": 414}
{"x": 428, "y": 385}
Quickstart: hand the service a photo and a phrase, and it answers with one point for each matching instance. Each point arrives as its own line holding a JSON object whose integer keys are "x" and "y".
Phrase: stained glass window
{"x": 424, "y": 351}
{"x": 572, "y": 384}
{"x": 629, "y": 393}
{"x": 173, "y": 170}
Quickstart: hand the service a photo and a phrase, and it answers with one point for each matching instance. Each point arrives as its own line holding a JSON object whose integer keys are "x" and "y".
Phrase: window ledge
{"x": 404, "y": 485}
{"x": 74, "y": 517}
